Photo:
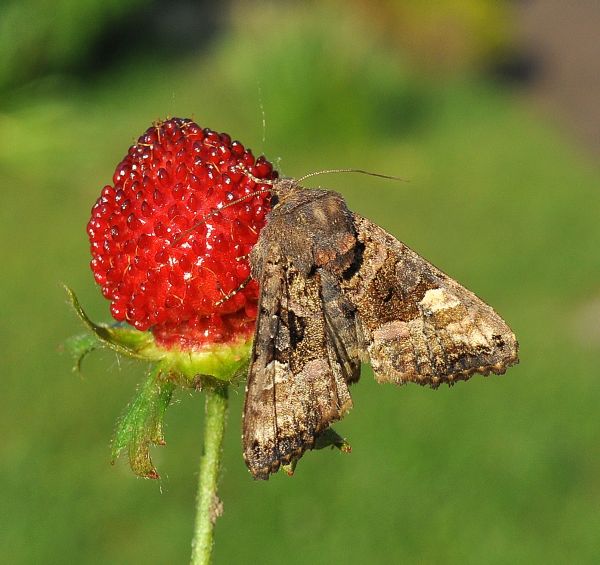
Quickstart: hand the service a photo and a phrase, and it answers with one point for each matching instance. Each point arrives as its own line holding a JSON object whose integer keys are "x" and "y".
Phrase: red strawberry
{"x": 167, "y": 250}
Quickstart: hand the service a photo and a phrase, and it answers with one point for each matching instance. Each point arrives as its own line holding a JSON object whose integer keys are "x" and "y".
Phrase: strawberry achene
{"x": 167, "y": 250}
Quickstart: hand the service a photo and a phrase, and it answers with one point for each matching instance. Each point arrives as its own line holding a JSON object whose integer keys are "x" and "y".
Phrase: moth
{"x": 337, "y": 290}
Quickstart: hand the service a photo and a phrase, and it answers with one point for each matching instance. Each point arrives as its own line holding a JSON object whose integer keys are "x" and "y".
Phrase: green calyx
{"x": 215, "y": 366}
{"x": 219, "y": 361}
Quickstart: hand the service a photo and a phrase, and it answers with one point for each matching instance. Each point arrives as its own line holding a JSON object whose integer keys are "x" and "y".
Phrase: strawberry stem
{"x": 208, "y": 505}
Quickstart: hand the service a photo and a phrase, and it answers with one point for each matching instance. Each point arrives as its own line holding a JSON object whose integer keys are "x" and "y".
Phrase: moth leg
{"x": 241, "y": 287}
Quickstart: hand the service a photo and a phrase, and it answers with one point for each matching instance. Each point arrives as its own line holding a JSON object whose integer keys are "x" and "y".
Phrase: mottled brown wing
{"x": 341, "y": 326}
{"x": 417, "y": 323}
{"x": 297, "y": 382}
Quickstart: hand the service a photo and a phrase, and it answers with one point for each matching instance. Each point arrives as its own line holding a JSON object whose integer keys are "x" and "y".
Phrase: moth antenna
{"x": 231, "y": 294}
{"x": 253, "y": 178}
{"x": 361, "y": 171}
{"x": 262, "y": 112}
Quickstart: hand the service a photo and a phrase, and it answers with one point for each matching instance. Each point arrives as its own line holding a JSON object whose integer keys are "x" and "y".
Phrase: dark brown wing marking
{"x": 296, "y": 385}
{"x": 417, "y": 323}
{"x": 341, "y": 326}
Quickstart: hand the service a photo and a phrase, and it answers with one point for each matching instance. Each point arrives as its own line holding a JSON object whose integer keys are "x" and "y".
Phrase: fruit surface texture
{"x": 170, "y": 237}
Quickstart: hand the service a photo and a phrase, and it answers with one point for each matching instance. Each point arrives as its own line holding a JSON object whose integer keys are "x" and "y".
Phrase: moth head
{"x": 282, "y": 190}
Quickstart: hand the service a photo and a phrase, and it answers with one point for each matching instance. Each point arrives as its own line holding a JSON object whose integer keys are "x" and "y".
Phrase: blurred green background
{"x": 498, "y": 470}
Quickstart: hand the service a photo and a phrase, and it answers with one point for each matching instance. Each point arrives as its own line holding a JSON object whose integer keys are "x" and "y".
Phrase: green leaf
{"x": 142, "y": 424}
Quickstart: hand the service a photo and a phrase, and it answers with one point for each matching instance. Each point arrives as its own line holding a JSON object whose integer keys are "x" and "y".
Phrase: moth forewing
{"x": 335, "y": 289}
{"x": 419, "y": 324}
{"x": 297, "y": 383}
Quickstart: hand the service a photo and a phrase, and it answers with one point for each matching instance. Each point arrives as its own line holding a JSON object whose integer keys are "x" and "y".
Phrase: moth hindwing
{"x": 336, "y": 289}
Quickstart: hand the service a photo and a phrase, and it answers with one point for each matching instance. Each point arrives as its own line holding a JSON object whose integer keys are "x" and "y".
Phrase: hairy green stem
{"x": 208, "y": 505}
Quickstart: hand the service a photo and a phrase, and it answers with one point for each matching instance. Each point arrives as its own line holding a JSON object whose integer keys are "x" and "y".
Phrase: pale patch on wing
{"x": 418, "y": 324}
{"x": 437, "y": 299}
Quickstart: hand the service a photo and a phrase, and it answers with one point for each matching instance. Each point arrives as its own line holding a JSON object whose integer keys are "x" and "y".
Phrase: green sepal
{"x": 118, "y": 337}
{"x": 142, "y": 424}
{"x": 221, "y": 361}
